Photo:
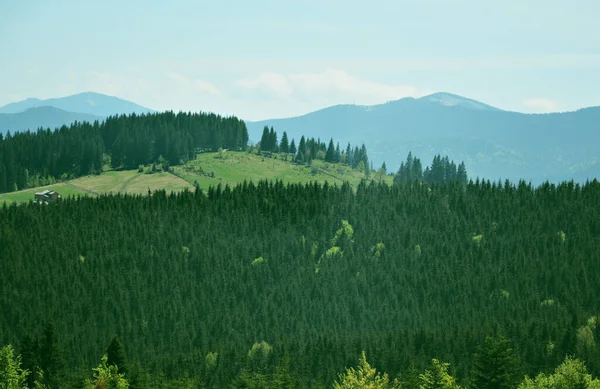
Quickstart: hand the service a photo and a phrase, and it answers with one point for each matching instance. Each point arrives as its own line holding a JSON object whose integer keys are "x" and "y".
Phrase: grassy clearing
{"x": 21, "y": 196}
{"x": 127, "y": 181}
{"x": 208, "y": 169}
{"x": 235, "y": 167}
{"x": 130, "y": 181}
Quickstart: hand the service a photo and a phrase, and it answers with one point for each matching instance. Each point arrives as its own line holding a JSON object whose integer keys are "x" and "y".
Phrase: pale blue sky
{"x": 259, "y": 59}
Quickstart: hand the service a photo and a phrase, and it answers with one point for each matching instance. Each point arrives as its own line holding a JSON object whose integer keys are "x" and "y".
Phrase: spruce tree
{"x": 495, "y": 365}
{"x": 116, "y": 355}
{"x": 330, "y": 154}
{"x": 284, "y": 146}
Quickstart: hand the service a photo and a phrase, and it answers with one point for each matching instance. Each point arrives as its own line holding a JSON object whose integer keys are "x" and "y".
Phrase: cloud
{"x": 331, "y": 85}
{"x": 196, "y": 85}
{"x": 541, "y": 105}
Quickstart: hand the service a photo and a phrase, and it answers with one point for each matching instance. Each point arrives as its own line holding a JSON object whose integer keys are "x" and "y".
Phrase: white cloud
{"x": 207, "y": 87}
{"x": 197, "y": 85}
{"x": 540, "y": 105}
{"x": 331, "y": 86}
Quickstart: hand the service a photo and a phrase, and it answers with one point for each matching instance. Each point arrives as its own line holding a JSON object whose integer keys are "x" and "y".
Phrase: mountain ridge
{"x": 91, "y": 103}
{"x": 494, "y": 143}
{"x": 42, "y": 117}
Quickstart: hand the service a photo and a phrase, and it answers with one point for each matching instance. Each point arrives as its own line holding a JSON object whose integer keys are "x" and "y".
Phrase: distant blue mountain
{"x": 494, "y": 144}
{"x": 87, "y": 103}
{"x": 44, "y": 117}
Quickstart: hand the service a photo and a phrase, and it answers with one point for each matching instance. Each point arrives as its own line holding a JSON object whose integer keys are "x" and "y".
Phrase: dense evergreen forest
{"x": 263, "y": 282}
{"x": 29, "y": 159}
{"x": 32, "y": 159}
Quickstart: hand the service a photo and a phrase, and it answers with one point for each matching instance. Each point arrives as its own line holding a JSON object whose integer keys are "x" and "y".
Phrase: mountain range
{"x": 494, "y": 144}
{"x": 31, "y": 114}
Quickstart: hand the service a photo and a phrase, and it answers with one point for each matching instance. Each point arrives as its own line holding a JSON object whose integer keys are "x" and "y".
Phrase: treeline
{"x": 308, "y": 275}
{"x": 29, "y": 159}
{"x": 310, "y": 149}
{"x": 495, "y": 366}
{"x": 440, "y": 170}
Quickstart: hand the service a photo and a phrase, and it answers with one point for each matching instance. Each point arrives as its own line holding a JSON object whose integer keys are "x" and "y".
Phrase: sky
{"x": 264, "y": 59}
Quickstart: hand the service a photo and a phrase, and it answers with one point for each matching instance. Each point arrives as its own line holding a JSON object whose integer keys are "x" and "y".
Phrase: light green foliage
{"x": 418, "y": 250}
{"x": 344, "y": 236}
{"x": 259, "y": 351}
{"x": 592, "y": 322}
{"x": 562, "y": 236}
{"x": 550, "y": 346}
{"x": 81, "y": 259}
{"x": 585, "y": 339}
{"x": 378, "y": 250}
{"x": 334, "y": 252}
{"x": 258, "y": 261}
{"x": 436, "y": 376}
{"x": 571, "y": 374}
{"x": 547, "y": 303}
{"x": 106, "y": 377}
{"x": 364, "y": 377}
{"x": 12, "y": 376}
{"x": 477, "y": 239}
{"x": 505, "y": 294}
{"x": 185, "y": 250}
{"x": 210, "y": 361}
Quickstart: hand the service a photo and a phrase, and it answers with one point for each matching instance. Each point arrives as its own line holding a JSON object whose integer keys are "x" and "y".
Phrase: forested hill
{"x": 127, "y": 141}
{"x": 228, "y": 286}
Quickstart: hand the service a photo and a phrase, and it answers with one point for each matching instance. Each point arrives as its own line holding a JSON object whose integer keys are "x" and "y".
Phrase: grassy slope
{"x": 233, "y": 168}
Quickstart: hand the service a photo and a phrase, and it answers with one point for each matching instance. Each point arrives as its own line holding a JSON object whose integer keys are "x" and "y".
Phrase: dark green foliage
{"x": 330, "y": 154}
{"x": 284, "y": 146}
{"x": 441, "y": 170}
{"x": 532, "y": 246}
{"x": 495, "y": 365}
{"x": 29, "y": 159}
{"x": 51, "y": 358}
{"x": 116, "y": 355}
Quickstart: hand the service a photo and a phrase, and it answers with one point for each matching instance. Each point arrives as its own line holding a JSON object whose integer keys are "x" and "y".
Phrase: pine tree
{"x": 301, "y": 156}
{"x": 330, "y": 154}
{"x": 12, "y": 375}
{"x": 436, "y": 377}
{"x": 364, "y": 376}
{"x": 106, "y": 377}
{"x": 52, "y": 360}
{"x": 265, "y": 140}
{"x": 293, "y": 149}
{"x": 272, "y": 140}
{"x": 284, "y": 146}
{"x": 116, "y": 355}
{"x": 494, "y": 365}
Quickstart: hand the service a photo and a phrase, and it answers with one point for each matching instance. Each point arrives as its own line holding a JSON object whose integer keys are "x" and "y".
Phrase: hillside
{"x": 208, "y": 169}
{"x": 294, "y": 281}
{"x": 493, "y": 143}
{"x": 90, "y": 103}
{"x": 41, "y": 117}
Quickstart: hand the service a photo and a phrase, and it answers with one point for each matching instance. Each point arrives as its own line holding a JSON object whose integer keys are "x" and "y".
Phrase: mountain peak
{"x": 452, "y": 100}
{"x": 90, "y": 103}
